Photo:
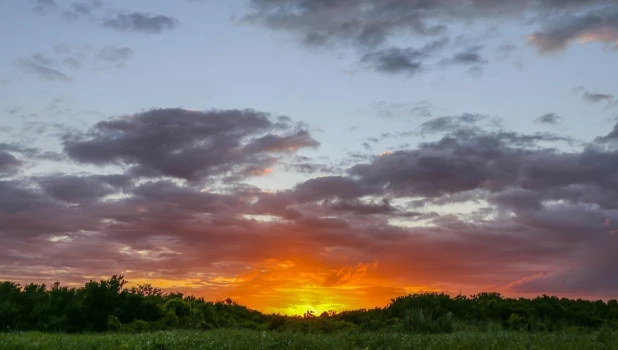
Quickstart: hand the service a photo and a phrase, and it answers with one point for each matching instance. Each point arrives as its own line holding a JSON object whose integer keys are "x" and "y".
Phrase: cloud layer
{"x": 376, "y": 28}
{"x": 171, "y": 205}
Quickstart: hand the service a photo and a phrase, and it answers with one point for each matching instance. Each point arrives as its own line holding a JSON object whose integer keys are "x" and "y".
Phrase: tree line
{"x": 107, "y": 305}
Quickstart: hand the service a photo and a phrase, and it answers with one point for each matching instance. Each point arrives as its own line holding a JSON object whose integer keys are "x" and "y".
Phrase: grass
{"x": 237, "y": 339}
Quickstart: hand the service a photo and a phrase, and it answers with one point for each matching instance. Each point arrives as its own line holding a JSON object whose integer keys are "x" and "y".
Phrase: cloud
{"x": 62, "y": 48}
{"x": 44, "y": 6}
{"x": 372, "y": 27}
{"x": 116, "y": 55}
{"x": 394, "y": 60}
{"x": 82, "y": 9}
{"x": 347, "y": 274}
{"x": 367, "y": 23}
{"x": 30, "y": 153}
{"x": 611, "y": 136}
{"x": 72, "y": 62}
{"x": 596, "y": 97}
{"x": 578, "y": 279}
{"x": 469, "y": 57}
{"x": 462, "y": 161}
{"x": 25, "y": 212}
{"x": 594, "y": 25}
{"x": 505, "y": 50}
{"x": 536, "y": 215}
{"x": 37, "y": 67}
{"x": 41, "y": 59}
{"x": 80, "y": 189}
{"x": 331, "y": 187}
{"x": 549, "y": 119}
{"x": 465, "y": 121}
{"x": 306, "y": 165}
{"x": 189, "y": 145}
{"x": 141, "y": 22}
{"x": 107, "y": 56}
{"x": 287, "y": 143}
{"x": 86, "y": 7}
{"x": 390, "y": 110}
{"x": 8, "y": 164}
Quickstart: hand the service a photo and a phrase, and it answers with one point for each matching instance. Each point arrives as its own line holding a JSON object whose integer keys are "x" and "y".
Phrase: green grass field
{"x": 242, "y": 339}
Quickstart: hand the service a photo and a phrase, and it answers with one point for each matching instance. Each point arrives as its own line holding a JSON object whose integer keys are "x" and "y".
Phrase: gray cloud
{"x": 594, "y": 25}
{"x": 44, "y": 6}
{"x": 367, "y": 23}
{"x": 544, "y": 223}
{"x": 44, "y": 72}
{"x": 85, "y": 8}
{"x": 468, "y": 58}
{"x": 9, "y": 165}
{"x": 62, "y": 48}
{"x": 41, "y": 59}
{"x": 391, "y": 110}
{"x": 187, "y": 144}
{"x": 82, "y": 9}
{"x": 462, "y": 161}
{"x": 141, "y": 22}
{"x": 465, "y": 121}
{"x": 306, "y": 165}
{"x": 82, "y": 189}
{"x": 549, "y": 118}
{"x": 505, "y": 50}
{"x": 189, "y": 198}
{"x": 471, "y": 58}
{"x": 597, "y": 274}
{"x": 31, "y": 153}
{"x": 116, "y": 55}
{"x": 77, "y": 58}
{"x": 596, "y": 97}
{"x": 26, "y": 212}
{"x": 611, "y": 136}
{"x": 331, "y": 187}
{"x": 373, "y": 26}
{"x": 394, "y": 60}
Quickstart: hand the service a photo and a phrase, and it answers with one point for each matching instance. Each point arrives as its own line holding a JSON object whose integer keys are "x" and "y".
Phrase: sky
{"x": 317, "y": 155}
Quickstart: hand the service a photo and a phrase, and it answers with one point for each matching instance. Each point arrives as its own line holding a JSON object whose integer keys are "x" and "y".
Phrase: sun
{"x": 304, "y": 309}
{"x": 310, "y": 300}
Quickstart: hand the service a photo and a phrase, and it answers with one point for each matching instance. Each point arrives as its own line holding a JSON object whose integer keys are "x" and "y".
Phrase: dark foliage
{"x": 108, "y": 306}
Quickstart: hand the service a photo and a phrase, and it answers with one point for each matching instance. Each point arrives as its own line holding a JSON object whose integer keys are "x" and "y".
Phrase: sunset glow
{"x": 311, "y": 155}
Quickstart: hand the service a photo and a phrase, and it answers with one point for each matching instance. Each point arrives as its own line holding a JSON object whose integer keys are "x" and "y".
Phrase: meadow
{"x": 106, "y": 315}
{"x": 247, "y": 339}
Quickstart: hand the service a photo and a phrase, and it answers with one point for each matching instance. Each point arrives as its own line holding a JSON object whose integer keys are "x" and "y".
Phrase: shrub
{"x": 415, "y": 320}
{"x": 113, "y": 323}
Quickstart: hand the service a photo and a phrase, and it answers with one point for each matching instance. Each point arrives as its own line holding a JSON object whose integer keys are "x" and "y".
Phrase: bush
{"x": 178, "y": 307}
{"x": 517, "y": 322}
{"x": 276, "y": 322}
{"x": 137, "y": 326}
{"x": 113, "y": 323}
{"x": 415, "y": 320}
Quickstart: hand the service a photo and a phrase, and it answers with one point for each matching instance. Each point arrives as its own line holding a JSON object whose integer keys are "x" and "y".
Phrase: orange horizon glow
{"x": 292, "y": 288}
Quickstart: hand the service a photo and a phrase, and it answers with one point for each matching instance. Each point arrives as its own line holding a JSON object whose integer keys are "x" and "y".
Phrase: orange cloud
{"x": 288, "y": 287}
{"x": 604, "y": 34}
{"x": 260, "y": 172}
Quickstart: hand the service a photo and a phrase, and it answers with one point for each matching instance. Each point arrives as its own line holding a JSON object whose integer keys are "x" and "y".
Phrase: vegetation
{"x": 108, "y": 306}
{"x": 245, "y": 339}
